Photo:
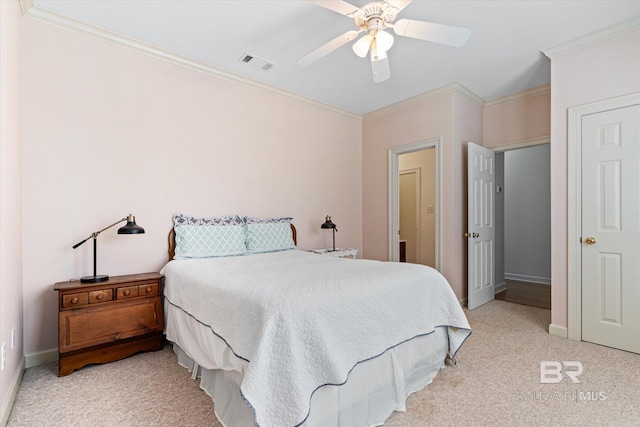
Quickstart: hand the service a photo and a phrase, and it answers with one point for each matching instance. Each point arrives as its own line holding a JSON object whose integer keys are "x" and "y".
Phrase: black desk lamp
{"x": 130, "y": 228}
{"x": 329, "y": 224}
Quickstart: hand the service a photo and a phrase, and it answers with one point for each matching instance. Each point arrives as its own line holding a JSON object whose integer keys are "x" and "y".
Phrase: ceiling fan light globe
{"x": 361, "y": 47}
{"x": 384, "y": 41}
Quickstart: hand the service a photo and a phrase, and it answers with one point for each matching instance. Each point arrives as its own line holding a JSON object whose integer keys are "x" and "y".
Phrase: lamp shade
{"x": 131, "y": 227}
{"x": 328, "y": 223}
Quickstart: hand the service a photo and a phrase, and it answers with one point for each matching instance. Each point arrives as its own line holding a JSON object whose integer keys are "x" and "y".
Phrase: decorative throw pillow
{"x": 208, "y": 237}
{"x": 268, "y": 234}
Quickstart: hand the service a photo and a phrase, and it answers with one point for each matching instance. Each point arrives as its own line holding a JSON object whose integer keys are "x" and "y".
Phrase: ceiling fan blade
{"x": 327, "y": 48}
{"x": 342, "y": 7}
{"x": 398, "y": 5}
{"x": 380, "y": 69}
{"x": 437, "y": 33}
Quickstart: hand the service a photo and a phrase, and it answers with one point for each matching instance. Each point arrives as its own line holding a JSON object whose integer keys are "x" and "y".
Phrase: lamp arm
{"x": 95, "y": 234}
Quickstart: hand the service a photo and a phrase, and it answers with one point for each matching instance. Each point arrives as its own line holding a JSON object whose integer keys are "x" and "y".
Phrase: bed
{"x": 283, "y": 337}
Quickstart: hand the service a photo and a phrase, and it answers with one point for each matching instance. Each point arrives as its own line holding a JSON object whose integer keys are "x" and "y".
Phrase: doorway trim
{"x": 394, "y": 196}
{"x": 574, "y": 206}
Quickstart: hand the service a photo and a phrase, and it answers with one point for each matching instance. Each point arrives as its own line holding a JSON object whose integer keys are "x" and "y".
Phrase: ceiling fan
{"x": 374, "y": 18}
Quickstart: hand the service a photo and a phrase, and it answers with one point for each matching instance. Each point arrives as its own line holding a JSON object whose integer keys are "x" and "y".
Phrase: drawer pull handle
{"x": 148, "y": 289}
{"x": 74, "y": 300}
{"x": 127, "y": 293}
{"x": 100, "y": 297}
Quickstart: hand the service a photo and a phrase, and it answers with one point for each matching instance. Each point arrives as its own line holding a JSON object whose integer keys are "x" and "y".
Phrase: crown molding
{"x": 596, "y": 37}
{"x": 25, "y": 5}
{"x": 60, "y": 21}
{"x": 529, "y": 142}
{"x": 540, "y": 90}
{"x": 471, "y": 96}
{"x": 454, "y": 87}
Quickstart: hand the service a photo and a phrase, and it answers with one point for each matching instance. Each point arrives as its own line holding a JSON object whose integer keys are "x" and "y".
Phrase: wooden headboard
{"x": 172, "y": 240}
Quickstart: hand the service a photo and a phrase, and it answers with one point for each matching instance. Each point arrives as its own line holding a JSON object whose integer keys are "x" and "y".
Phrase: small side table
{"x": 339, "y": 252}
{"x": 107, "y": 321}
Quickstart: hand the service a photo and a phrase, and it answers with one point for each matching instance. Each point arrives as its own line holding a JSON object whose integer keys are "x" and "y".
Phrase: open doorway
{"x": 415, "y": 171}
{"x": 410, "y": 215}
{"x": 417, "y": 206}
{"x": 523, "y": 226}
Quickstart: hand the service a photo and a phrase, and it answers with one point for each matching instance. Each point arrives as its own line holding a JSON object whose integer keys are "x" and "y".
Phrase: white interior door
{"x": 481, "y": 225}
{"x": 611, "y": 228}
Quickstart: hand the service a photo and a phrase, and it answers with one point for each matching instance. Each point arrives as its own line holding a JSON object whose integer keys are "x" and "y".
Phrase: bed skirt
{"x": 374, "y": 389}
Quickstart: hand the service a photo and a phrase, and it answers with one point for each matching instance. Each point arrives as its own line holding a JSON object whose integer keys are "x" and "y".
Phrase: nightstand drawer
{"x": 100, "y": 296}
{"x": 75, "y": 300}
{"x": 127, "y": 292}
{"x": 148, "y": 289}
{"x": 80, "y": 329}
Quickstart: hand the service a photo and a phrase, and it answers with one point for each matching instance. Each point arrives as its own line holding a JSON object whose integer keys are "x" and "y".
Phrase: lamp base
{"x": 94, "y": 279}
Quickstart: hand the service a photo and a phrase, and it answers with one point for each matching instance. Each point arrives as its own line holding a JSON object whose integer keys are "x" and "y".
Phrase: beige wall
{"x": 519, "y": 118}
{"x": 456, "y": 119}
{"x": 11, "y": 310}
{"x": 394, "y": 127}
{"x": 108, "y": 131}
{"x": 600, "y": 71}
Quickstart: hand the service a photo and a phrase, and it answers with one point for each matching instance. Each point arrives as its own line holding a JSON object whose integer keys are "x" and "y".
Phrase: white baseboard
{"x": 41, "y": 357}
{"x": 527, "y": 278}
{"x": 500, "y": 287}
{"x": 558, "y": 331}
{"x": 5, "y": 409}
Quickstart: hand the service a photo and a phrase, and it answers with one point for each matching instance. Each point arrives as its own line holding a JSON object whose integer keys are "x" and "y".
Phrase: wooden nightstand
{"x": 108, "y": 321}
{"x": 339, "y": 252}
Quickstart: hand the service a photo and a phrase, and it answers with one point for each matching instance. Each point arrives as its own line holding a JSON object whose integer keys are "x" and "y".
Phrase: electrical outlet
{"x": 13, "y": 338}
{"x": 4, "y": 356}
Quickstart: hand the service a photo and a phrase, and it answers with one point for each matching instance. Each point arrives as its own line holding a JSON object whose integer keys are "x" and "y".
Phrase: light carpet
{"x": 496, "y": 382}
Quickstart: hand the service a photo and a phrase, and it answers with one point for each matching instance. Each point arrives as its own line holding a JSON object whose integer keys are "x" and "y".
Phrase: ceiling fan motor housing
{"x": 375, "y": 16}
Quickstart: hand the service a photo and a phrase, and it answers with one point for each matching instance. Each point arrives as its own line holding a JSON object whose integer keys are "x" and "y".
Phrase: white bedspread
{"x": 304, "y": 320}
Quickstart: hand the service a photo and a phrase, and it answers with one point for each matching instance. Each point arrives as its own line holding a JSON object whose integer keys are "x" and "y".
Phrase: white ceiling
{"x": 503, "y": 55}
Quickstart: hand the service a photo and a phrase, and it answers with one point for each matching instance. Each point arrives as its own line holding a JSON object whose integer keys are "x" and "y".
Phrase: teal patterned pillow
{"x": 208, "y": 237}
{"x": 269, "y": 234}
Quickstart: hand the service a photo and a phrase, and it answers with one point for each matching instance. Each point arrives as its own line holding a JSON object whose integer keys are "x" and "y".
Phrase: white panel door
{"x": 611, "y": 228}
{"x": 480, "y": 230}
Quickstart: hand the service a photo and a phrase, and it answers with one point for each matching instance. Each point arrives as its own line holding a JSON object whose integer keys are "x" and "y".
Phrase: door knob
{"x": 590, "y": 241}
{"x": 475, "y": 235}
{"x": 467, "y": 235}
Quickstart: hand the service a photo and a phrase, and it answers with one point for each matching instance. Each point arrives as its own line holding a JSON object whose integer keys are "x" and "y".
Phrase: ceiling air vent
{"x": 255, "y": 62}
